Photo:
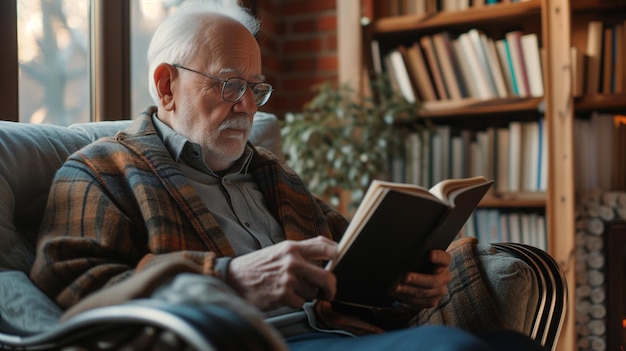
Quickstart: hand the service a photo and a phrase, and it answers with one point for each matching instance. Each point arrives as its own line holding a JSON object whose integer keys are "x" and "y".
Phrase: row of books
{"x": 494, "y": 225}
{"x": 604, "y": 61}
{"x": 600, "y": 150}
{"x": 514, "y": 156}
{"x": 424, "y": 7}
{"x": 441, "y": 67}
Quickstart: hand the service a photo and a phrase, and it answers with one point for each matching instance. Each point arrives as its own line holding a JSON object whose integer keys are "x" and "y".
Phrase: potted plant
{"x": 340, "y": 141}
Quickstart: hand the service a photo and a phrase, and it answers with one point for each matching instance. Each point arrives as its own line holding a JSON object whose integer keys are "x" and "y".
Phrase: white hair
{"x": 179, "y": 36}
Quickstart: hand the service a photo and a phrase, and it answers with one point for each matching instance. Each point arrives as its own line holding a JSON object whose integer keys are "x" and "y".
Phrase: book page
{"x": 447, "y": 189}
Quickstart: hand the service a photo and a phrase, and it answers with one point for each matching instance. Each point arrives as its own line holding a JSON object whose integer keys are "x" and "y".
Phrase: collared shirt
{"x": 232, "y": 196}
{"x": 241, "y": 211}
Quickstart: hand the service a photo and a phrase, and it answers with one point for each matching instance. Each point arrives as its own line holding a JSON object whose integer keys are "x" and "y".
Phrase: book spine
{"x": 594, "y": 55}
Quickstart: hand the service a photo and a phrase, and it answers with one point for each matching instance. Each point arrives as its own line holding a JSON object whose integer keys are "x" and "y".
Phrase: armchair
{"x": 526, "y": 285}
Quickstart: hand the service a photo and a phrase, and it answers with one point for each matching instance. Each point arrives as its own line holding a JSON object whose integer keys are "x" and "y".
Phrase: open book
{"x": 393, "y": 230}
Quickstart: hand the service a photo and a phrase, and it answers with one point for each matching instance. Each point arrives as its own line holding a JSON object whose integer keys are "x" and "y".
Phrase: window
{"x": 68, "y": 61}
{"x": 53, "y": 57}
{"x": 145, "y": 17}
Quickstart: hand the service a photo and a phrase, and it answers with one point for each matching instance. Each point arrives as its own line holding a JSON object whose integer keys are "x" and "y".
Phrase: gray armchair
{"x": 527, "y": 286}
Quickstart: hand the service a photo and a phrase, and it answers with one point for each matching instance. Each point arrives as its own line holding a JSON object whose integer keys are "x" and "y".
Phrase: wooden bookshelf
{"x": 559, "y": 25}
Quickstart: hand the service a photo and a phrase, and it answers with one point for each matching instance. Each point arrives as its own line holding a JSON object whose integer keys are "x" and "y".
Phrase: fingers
{"x": 311, "y": 276}
{"x": 284, "y": 274}
{"x": 422, "y": 290}
{"x": 426, "y": 290}
{"x": 318, "y": 248}
{"x": 440, "y": 258}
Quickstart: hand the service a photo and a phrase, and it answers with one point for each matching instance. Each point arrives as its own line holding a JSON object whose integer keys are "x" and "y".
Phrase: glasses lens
{"x": 234, "y": 88}
{"x": 262, "y": 93}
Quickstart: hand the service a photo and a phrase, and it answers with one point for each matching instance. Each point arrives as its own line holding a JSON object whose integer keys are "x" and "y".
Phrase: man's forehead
{"x": 233, "y": 71}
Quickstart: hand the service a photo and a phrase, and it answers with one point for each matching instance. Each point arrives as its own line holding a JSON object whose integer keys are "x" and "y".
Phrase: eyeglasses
{"x": 234, "y": 88}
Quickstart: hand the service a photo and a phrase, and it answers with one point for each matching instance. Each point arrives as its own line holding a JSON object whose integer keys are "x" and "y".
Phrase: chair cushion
{"x": 23, "y": 305}
{"x": 31, "y": 155}
{"x": 513, "y": 285}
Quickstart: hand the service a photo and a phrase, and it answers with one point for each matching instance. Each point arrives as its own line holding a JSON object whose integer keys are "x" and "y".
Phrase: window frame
{"x": 109, "y": 59}
{"x": 8, "y": 61}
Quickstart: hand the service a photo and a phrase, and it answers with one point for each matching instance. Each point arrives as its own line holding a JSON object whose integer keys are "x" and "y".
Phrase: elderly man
{"x": 183, "y": 187}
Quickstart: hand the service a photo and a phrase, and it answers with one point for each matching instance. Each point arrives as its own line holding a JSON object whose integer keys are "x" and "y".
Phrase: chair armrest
{"x": 141, "y": 323}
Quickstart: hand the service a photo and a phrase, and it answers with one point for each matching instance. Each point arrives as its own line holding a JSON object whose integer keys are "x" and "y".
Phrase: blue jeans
{"x": 425, "y": 338}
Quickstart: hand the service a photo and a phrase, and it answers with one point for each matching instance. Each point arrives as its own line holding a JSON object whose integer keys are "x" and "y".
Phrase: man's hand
{"x": 421, "y": 291}
{"x": 284, "y": 274}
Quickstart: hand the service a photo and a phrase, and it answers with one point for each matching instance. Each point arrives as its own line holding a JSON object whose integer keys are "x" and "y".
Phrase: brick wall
{"x": 299, "y": 45}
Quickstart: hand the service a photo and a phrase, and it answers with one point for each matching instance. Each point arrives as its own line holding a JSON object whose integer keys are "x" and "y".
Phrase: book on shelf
{"x": 467, "y": 75}
{"x": 619, "y": 56}
{"x": 457, "y": 156}
{"x": 377, "y": 64}
{"x": 445, "y": 132}
{"x": 514, "y": 226}
{"x": 436, "y": 157}
{"x": 514, "y": 44}
{"x": 530, "y": 156}
{"x": 502, "y": 160}
{"x": 578, "y": 71}
{"x": 477, "y": 39}
{"x": 495, "y": 225}
{"x": 479, "y": 75}
{"x": 447, "y": 62}
{"x": 428, "y": 47}
{"x": 495, "y": 67}
{"x": 542, "y": 184}
{"x": 515, "y": 156}
{"x": 418, "y": 70}
{"x": 503, "y": 225}
{"x": 532, "y": 60}
{"x": 505, "y": 67}
{"x": 413, "y": 150}
{"x": 388, "y": 67}
{"x": 426, "y": 169}
{"x": 607, "y": 61}
{"x": 401, "y": 224}
{"x": 619, "y": 156}
{"x": 399, "y": 70}
{"x": 594, "y": 56}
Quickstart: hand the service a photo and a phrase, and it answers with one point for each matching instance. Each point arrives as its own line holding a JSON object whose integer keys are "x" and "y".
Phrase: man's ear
{"x": 163, "y": 77}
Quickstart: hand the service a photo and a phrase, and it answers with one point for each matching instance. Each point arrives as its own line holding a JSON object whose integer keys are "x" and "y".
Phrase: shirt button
{"x": 246, "y": 224}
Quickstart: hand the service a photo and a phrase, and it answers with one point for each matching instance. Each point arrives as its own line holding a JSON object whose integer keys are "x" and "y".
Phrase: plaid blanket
{"x": 469, "y": 303}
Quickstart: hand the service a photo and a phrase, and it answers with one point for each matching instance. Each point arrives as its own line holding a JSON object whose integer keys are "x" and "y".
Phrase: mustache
{"x": 236, "y": 123}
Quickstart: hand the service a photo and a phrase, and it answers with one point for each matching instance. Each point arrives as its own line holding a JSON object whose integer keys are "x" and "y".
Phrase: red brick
{"x": 331, "y": 42}
{"x": 328, "y": 63}
{"x": 328, "y": 22}
{"x": 303, "y": 84}
{"x": 308, "y": 6}
{"x": 303, "y": 45}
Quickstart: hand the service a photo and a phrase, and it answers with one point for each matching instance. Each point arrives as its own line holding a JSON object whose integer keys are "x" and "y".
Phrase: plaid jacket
{"x": 122, "y": 204}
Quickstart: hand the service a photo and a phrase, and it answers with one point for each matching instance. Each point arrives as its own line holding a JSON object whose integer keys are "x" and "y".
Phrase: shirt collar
{"x": 185, "y": 151}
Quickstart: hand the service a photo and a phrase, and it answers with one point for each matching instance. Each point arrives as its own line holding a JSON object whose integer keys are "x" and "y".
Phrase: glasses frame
{"x": 224, "y": 81}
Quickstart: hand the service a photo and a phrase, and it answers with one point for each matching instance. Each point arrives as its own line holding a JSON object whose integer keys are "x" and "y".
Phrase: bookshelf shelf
{"x": 515, "y": 200}
{"x": 497, "y": 13}
{"x": 473, "y": 107}
{"x": 601, "y": 103}
{"x": 597, "y": 5}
